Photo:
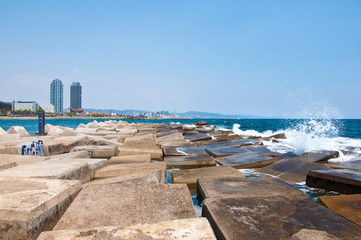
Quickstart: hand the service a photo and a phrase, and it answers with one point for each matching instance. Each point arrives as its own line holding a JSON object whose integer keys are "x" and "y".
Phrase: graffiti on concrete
{"x": 35, "y": 148}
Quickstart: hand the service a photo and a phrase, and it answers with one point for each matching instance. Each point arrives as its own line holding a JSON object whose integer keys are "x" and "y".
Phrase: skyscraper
{"x": 56, "y": 95}
{"x": 75, "y": 96}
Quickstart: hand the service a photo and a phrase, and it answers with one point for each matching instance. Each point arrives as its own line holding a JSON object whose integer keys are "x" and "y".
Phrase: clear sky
{"x": 265, "y": 58}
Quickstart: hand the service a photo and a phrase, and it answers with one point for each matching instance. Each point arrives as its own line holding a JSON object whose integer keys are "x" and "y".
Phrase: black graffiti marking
{"x": 35, "y": 148}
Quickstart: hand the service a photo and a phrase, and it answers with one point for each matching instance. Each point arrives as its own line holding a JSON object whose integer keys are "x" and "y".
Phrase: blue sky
{"x": 265, "y": 58}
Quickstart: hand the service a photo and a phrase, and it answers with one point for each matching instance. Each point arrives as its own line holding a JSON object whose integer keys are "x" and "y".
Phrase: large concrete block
{"x": 307, "y": 234}
{"x": 97, "y": 151}
{"x": 339, "y": 180}
{"x": 198, "y": 137}
{"x": 348, "y": 206}
{"x": 2, "y": 131}
{"x": 263, "y": 150}
{"x": 189, "y": 176}
{"x": 352, "y": 165}
{"x": 186, "y": 162}
{"x": 18, "y": 130}
{"x": 183, "y": 229}
{"x": 227, "y": 151}
{"x": 139, "y": 158}
{"x": 52, "y": 169}
{"x": 30, "y": 206}
{"x": 235, "y": 143}
{"x": 225, "y": 186}
{"x": 78, "y": 154}
{"x": 5, "y": 138}
{"x": 116, "y": 170}
{"x": 277, "y": 217}
{"x": 247, "y": 159}
{"x": 184, "y": 151}
{"x": 20, "y": 159}
{"x": 155, "y": 152}
{"x": 115, "y": 205}
{"x": 149, "y": 177}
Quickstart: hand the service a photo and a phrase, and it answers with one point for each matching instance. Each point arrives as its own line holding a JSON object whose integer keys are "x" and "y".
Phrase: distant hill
{"x": 190, "y": 114}
{"x": 195, "y": 114}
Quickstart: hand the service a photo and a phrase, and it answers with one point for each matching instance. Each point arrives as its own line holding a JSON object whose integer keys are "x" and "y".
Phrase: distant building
{"x": 25, "y": 106}
{"x": 5, "y": 105}
{"x": 56, "y": 95}
{"x": 75, "y": 97}
{"x": 48, "y": 108}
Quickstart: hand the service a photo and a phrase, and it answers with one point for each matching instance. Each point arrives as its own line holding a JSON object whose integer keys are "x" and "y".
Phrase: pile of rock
{"x": 107, "y": 180}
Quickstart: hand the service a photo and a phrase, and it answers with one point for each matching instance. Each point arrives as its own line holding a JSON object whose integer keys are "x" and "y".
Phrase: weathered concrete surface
{"x": 20, "y": 159}
{"x": 277, "y": 217}
{"x": 185, "y": 151}
{"x": 116, "y": 170}
{"x": 353, "y": 165}
{"x": 348, "y": 206}
{"x": 115, "y": 205}
{"x": 295, "y": 169}
{"x": 139, "y": 158}
{"x": 53, "y": 169}
{"x": 235, "y": 143}
{"x": 263, "y": 150}
{"x": 2, "y": 131}
{"x": 185, "y": 229}
{"x": 18, "y": 130}
{"x": 221, "y": 186}
{"x": 186, "y": 162}
{"x": 77, "y": 154}
{"x": 189, "y": 176}
{"x": 155, "y": 152}
{"x": 5, "y": 138}
{"x": 339, "y": 180}
{"x": 227, "y": 151}
{"x": 198, "y": 137}
{"x": 97, "y": 151}
{"x": 307, "y": 234}
{"x": 148, "y": 177}
{"x": 30, "y": 206}
{"x": 51, "y": 147}
{"x": 54, "y": 130}
{"x": 246, "y": 160}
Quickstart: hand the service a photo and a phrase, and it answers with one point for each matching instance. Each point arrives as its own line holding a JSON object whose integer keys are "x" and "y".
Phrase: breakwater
{"x": 105, "y": 180}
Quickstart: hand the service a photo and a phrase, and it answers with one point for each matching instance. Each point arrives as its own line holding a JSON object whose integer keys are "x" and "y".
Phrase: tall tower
{"x": 75, "y": 96}
{"x": 56, "y": 95}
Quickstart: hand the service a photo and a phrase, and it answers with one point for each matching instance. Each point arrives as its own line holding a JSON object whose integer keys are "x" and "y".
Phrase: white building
{"x": 25, "y": 106}
{"x": 48, "y": 108}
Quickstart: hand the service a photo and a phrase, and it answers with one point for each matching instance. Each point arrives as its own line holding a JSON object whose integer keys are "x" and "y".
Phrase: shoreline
{"x": 109, "y": 118}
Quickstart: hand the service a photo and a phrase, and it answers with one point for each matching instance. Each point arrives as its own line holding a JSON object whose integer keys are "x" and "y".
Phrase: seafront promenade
{"x": 116, "y": 180}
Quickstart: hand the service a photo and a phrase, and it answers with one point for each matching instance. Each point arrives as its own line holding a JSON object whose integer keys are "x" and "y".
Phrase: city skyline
{"x": 75, "y": 96}
{"x": 273, "y": 59}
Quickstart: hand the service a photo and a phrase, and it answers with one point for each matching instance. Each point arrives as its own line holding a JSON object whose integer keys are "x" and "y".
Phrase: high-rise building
{"x": 75, "y": 96}
{"x": 56, "y": 95}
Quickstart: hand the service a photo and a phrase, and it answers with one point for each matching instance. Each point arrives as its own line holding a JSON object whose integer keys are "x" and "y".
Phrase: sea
{"x": 302, "y": 135}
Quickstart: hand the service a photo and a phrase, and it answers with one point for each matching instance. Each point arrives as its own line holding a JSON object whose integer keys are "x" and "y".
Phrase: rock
{"x": 246, "y": 160}
{"x": 188, "y": 133}
{"x": 339, "y": 180}
{"x": 236, "y": 143}
{"x": 306, "y": 234}
{"x": 202, "y": 123}
{"x": 227, "y": 151}
{"x": 20, "y": 159}
{"x": 189, "y": 127}
{"x": 162, "y": 134}
{"x": 226, "y": 186}
{"x": 29, "y": 206}
{"x": 185, "y": 151}
{"x": 352, "y": 165}
{"x": 2, "y": 131}
{"x": 131, "y": 168}
{"x": 186, "y": 162}
{"x": 275, "y": 136}
{"x": 139, "y": 158}
{"x": 82, "y": 125}
{"x": 206, "y": 129}
{"x": 97, "y": 151}
{"x": 18, "y": 130}
{"x": 190, "y": 176}
{"x": 190, "y": 228}
{"x": 277, "y": 217}
{"x": 106, "y": 205}
{"x": 348, "y": 206}
{"x": 54, "y": 130}
{"x": 70, "y": 169}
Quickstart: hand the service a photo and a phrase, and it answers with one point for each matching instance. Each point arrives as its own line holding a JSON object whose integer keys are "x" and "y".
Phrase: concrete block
{"x": 226, "y": 186}
{"x": 155, "y": 152}
{"x": 186, "y": 162}
{"x": 116, "y": 170}
{"x": 18, "y": 130}
{"x": 20, "y": 159}
{"x": 185, "y": 151}
{"x": 306, "y": 234}
{"x": 277, "y": 217}
{"x": 2, "y": 131}
{"x": 30, "y": 206}
{"x": 227, "y": 151}
{"x": 139, "y": 158}
{"x": 183, "y": 229}
{"x": 348, "y": 206}
{"x": 339, "y": 180}
{"x": 9, "y": 137}
{"x": 97, "y": 151}
{"x": 263, "y": 150}
{"x": 246, "y": 160}
{"x": 106, "y": 205}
